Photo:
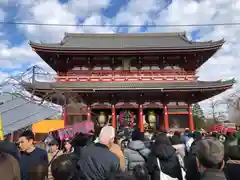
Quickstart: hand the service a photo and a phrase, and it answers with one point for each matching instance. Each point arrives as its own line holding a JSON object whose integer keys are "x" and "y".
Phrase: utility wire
{"x": 121, "y": 25}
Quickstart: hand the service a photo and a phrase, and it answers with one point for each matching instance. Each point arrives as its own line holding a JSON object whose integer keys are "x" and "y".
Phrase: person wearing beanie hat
{"x": 136, "y": 153}
{"x": 210, "y": 159}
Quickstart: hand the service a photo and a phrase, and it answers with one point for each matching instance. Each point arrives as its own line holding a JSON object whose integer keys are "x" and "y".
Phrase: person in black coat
{"x": 163, "y": 150}
{"x": 190, "y": 160}
{"x": 96, "y": 161}
{"x": 80, "y": 141}
{"x": 232, "y": 166}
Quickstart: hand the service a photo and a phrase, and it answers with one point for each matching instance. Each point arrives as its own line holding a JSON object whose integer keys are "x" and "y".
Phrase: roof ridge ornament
{"x": 65, "y": 38}
{"x": 184, "y": 37}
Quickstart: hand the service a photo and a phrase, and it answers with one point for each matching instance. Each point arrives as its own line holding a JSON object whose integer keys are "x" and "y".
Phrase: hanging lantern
{"x": 102, "y": 119}
{"x": 152, "y": 119}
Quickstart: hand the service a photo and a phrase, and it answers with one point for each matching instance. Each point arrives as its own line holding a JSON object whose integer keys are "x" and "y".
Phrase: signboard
{"x": 1, "y": 128}
{"x": 69, "y": 132}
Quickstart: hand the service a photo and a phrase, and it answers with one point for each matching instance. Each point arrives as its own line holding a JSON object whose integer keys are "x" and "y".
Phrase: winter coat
{"x": 213, "y": 174}
{"x": 180, "y": 149}
{"x": 191, "y": 163}
{"x": 232, "y": 170}
{"x": 51, "y": 157}
{"x": 168, "y": 160}
{"x": 135, "y": 154}
{"x": 97, "y": 163}
{"x": 192, "y": 169}
{"x": 189, "y": 144}
{"x": 9, "y": 167}
{"x": 116, "y": 149}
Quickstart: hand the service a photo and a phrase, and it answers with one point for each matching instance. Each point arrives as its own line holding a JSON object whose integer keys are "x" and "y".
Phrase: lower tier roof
{"x": 88, "y": 92}
{"x": 112, "y": 86}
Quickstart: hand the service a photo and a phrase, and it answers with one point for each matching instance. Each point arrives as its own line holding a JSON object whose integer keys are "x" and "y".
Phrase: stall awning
{"x": 18, "y": 113}
{"x": 46, "y": 126}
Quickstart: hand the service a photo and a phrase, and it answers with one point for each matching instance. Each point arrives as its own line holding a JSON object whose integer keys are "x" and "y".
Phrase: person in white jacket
{"x": 178, "y": 144}
{"x": 189, "y": 142}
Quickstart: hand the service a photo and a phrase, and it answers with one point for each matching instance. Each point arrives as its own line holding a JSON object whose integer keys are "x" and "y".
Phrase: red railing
{"x": 126, "y": 72}
{"x": 121, "y": 75}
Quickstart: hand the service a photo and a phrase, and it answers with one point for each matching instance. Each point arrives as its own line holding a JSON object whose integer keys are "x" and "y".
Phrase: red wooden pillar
{"x": 114, "y": 122}
{"x": 166, "y": 122}
{"x": 89, "y": 113}
{"x": 140, "y": 119}
{"x": 65, "y": 115}
{"x": 190, "y": 118}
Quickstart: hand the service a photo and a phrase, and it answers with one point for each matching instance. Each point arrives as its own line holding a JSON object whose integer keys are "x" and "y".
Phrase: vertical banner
{"x": 1, "y": 128}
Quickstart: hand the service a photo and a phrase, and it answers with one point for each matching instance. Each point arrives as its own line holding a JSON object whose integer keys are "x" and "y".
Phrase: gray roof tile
{"x": 131, "y": 85}
{"x": 18, "y": 113}
{"x": 74, "y": 41}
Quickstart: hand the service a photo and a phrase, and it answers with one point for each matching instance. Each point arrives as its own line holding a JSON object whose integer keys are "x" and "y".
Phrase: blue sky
{"x": 16, "y": 55}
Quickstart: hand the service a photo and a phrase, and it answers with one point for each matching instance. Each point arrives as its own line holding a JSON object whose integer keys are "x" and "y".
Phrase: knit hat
{"x": 53, "y": 142}
{"x": 210, "y": 152}
{"x": 10, "y": 148}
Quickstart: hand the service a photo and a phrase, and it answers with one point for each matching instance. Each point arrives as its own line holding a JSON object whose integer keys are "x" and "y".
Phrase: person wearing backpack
{"x": 163, "y": 162}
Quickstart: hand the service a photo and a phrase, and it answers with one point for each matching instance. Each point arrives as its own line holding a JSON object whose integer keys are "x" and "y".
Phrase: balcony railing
{"x": 127, "y": 72}
{"x": 119, "y": 75}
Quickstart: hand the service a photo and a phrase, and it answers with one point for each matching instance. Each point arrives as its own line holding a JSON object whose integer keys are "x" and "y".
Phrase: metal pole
{"x": 33, "y": 75}
{"x": 1, "y": 128}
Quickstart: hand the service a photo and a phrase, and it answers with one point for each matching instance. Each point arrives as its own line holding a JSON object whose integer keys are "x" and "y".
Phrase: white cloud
{"x": 2, "y": 15}
{"x": 224, "y": 63}
{"x": 15, "y": 57}
{"x": 84, "y": 8}
{"x": 96, "y": 19}
{"x": 3, "y": 76}
{"x": 48, "y": 12}
{"x": 137, "y": 12}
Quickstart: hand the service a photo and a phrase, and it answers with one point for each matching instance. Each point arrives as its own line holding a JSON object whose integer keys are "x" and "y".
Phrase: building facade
{"x": 144, "y": 80}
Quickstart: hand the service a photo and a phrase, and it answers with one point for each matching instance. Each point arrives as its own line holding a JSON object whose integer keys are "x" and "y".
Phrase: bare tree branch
{"x": 217, "y": 115}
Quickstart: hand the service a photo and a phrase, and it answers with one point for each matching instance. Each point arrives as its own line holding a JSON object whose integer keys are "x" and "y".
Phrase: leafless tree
{"x": 233, "y": 104}
{"x": 12, "y": 85}
{"x": 216, "y": 115}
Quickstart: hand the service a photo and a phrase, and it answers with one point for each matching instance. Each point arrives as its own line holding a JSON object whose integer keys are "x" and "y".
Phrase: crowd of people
{"x": 146, "y": 156}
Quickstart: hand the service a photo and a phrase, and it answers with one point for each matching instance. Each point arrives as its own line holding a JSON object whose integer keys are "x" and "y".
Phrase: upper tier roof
{"x": 143, "y": 41}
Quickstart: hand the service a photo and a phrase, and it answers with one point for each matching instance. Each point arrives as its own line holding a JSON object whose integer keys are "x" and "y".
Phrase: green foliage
{"x": 198, "y": 116}
{"x": 197, "y": 111}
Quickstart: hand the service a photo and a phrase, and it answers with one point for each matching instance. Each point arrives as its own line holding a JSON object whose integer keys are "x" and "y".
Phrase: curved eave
{"x": 193, "y": 46}
{"x": 68, "y": 87}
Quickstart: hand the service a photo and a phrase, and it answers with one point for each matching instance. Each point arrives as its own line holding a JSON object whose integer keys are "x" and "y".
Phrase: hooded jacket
{"x": 168, "y": 160}
{"x": 135, "y": 154}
